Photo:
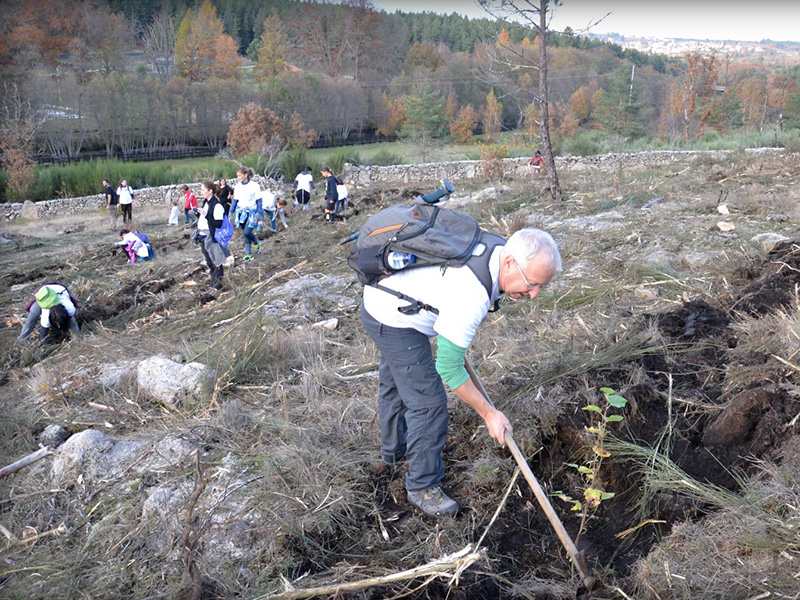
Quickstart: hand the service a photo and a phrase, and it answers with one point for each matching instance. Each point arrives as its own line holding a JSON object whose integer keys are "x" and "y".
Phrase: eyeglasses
{"x": 530, "y": 286}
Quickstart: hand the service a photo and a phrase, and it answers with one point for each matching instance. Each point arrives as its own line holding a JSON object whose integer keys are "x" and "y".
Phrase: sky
{"x": 778, "y": 20}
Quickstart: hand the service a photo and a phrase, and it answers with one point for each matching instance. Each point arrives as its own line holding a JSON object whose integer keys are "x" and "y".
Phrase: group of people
{"x": 122, "y": 197}
{"x": 412, "y": 399}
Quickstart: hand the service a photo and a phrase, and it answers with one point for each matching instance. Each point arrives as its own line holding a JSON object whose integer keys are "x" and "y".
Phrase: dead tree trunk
{"x": 544, "y": 111}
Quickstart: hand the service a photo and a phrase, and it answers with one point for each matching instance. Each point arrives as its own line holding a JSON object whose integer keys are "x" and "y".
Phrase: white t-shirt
{"x": 63, "y": 299}
{"x": 125, "y": 194}
{"x": 246, "y": 194}
{"x": 269, "y": 200}
{"x": 456, "y": 293}
{"x": 341, "y": 191}
{"x": 304, "y": 181}
{"x": 202, "y": 219}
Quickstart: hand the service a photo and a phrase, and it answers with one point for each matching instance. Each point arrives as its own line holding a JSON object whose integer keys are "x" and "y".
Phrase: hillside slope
{"x": 269, "y": 477}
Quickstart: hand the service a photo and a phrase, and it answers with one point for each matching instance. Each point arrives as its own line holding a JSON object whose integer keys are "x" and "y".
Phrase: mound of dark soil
{"x": 771, "y": 285}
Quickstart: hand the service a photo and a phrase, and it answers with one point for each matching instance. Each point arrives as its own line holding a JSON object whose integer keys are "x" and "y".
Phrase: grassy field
{"x": 271, "y": 479}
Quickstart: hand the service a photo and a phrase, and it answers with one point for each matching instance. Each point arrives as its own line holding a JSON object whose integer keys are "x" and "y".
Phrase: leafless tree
{"x": 535, "y": 14}
{"x": 346, "y": 107}
{"x": 108, "y": 35}
{"x": 159, "y": 45}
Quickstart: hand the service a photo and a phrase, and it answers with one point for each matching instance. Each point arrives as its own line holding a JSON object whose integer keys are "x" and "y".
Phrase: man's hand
{"x": 497, "y": 424}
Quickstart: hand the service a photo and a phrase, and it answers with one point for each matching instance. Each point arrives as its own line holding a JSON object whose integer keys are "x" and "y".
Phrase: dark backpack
{"x": 113, "y": 193}
{"x": 434, "y": 235}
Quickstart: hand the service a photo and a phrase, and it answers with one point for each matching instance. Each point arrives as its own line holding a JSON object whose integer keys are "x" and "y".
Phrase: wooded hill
{"x": 125, "y": 77}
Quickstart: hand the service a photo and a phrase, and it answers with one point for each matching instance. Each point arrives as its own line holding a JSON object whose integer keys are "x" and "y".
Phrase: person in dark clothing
{"x": 225, "y": 194}
{"x": 210, "y": 218}
{"x": 331, "y": 195}
{"x": 111, "y": 199}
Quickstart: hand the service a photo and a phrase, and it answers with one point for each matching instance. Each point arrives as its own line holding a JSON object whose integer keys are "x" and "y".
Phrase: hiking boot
{"x": 256, "y": 248}
{"x": 433, "y": 502}
{"x": 247, "y": 258}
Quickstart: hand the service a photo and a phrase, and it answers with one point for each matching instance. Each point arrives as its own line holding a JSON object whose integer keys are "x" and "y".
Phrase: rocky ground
{"x": 224, "y": 444}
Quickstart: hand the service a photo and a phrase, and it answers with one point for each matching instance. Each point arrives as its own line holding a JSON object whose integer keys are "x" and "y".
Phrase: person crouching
{"x": 134, "y": 246}
{"x": 54, "y": 307}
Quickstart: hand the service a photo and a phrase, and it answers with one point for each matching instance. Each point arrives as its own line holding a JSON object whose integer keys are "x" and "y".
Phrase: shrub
{"x": 492, "y": 161}
{"x": 346, "y": 155}
{"x": 83, "y": 178}
{"x": 385, "y": 158}
{"x": 295, "y": 160}
{"x": 584, "y": 144}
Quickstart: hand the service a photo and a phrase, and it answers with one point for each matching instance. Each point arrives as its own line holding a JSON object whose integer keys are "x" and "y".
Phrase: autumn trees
{"x": 202, "y": 48}
{"x": 348, "y": 69}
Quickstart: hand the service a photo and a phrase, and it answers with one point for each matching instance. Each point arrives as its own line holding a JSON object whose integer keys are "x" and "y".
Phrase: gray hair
{"x": 527, "y": 243}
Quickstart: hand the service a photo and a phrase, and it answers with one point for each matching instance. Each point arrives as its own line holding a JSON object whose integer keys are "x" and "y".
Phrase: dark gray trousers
{"x": 412, "y": 402}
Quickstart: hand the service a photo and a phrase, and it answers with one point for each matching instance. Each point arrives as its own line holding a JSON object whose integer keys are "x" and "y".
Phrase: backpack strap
{"x": 478, "y": 264}
{"x": 414, "y": 305}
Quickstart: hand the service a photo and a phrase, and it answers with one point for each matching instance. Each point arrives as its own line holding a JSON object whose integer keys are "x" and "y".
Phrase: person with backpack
{"x": 137, "y": 245}
{"x": 214, "y": 230}
{"x": 111, "y": 203}
{"x": 54, "y": 307}
{"x": 126, "y": 196}
{"x": 246, "y": 212}
{"x": 303, "y": 184}
{"x": 400, "y": 312}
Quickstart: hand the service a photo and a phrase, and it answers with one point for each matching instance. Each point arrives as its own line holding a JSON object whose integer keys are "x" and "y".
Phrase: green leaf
{"x": 607, "y": 391}
{"x": 614, "y": 418}
{"x": 577, "y": 506}
{"x": 617, "y": 401}
{"x": 607, "y": 495}
{"x": 593, "y": 408}
{"x": 573, "y": 465}
{"x": 586, "y": 470}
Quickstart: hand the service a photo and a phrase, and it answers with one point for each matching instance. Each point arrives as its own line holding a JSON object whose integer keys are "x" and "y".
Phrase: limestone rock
{"x": 702, "y": 259}
{"x": 329, "y": 324}
{"x": 53, "y": 436}
{"x": 79, "y": 451}
{"x": 29, "y": 211}
{"x": 725, "y": 226}
{"x": 769, "y": 240}
{"x": 168, "y": 381}
{"x": 304, "y": 298}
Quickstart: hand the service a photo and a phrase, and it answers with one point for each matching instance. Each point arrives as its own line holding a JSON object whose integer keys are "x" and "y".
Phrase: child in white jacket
{"x": 134, "y": 246}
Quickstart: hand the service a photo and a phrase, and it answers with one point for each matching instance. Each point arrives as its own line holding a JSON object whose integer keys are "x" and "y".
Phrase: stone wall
{"x": 364, "y": 176}
{"x": 155, "y": 196}
{"x": 518, "y": 167}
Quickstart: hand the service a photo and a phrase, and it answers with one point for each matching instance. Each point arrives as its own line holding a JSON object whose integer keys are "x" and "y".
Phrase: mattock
{"x": 578, "y": 557}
